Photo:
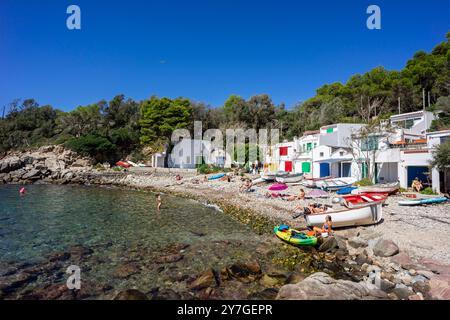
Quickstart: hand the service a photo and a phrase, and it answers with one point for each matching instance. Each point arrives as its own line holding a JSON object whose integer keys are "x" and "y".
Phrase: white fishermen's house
{"x": 304, "y": 146}
{"x": 440, "y": 180}
{"x": 189, "y": 153}
{"x": 334, "y": 155}
{"x": 402, "y": 151}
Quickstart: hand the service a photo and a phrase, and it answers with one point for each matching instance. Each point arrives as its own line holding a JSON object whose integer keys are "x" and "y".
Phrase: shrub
{"x": 364, "y": 182}
{"x": 207, "y": 169}
{"x": 428, "y": 191}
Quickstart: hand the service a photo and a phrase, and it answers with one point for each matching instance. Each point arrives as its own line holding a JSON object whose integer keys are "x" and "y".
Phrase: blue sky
{"x": 205, "y": 50}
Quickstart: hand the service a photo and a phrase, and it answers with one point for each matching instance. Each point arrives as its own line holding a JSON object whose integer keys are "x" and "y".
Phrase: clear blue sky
{"x": 205, "y": 50}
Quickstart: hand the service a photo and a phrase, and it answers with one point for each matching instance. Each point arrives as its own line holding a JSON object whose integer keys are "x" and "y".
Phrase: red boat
{"x": 123, "y": 164}
{"x": 364, "y": 199}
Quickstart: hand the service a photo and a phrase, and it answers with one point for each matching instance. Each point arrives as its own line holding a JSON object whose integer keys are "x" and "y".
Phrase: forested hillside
{"x": 110, "y": 130}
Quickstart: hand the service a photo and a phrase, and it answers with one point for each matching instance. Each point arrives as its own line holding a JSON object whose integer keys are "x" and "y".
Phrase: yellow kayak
{"x": 294, "y": 237}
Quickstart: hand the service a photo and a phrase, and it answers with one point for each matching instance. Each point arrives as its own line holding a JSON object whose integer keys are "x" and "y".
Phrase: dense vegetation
{"x": 121, "y": 127}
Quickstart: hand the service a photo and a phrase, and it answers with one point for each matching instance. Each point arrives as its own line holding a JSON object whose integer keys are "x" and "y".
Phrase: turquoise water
{"x": 121, "y": 227}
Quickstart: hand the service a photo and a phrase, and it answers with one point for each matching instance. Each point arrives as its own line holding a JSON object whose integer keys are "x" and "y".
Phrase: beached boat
{"x": 271, "y": 176}
{"x": 345, "y": 191}
{"x": 294, "y": 237}
{"x": 290, "y": 178}
{"x": 123, "y": 164}
{"x": 258, "y": 181}
{"x": 423, "y": 201}
{"x": 336, "y": 183}
{"x": 216, "y": 176}
{"x": 312, "y": 182}
{"x": 362, "y": 216}
{"x": 364, "y": 199}
{"x": 389, "y": 188}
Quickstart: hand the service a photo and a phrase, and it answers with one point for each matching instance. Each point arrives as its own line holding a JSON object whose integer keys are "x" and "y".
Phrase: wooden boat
{"x": 364, "y": 199}
{"x": 389, "y": 188}
{"x": 348, "y": 217}
{"x": 258, "y": 181}
{"x": 312, "y": 182}
{"x": 423, "y": 201}
{"x": 271, "y": 176}
{"x": 123, "y": 164}
{"x": 290, "y": 178}
{"x": 216, "y": 176}
{"x": 336, "y": 183}
{"x": 294, "y": 237}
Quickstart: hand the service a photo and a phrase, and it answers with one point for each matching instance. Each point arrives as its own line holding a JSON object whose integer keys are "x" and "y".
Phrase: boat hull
{"x": 389, "y": 188}
{"x": 292, "y": 178}
{"x": 419, "y": 202}
{"x": 363, "y": 216}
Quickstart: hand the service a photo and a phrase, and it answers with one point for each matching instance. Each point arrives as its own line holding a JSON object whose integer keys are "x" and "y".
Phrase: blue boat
{"x": 346, "y": 190}
{"x": 217, "y": 176}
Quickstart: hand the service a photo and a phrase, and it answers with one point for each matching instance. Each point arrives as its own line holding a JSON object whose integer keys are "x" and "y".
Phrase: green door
{"x": 365, "y": 170}
{"x": 306, "y": 167}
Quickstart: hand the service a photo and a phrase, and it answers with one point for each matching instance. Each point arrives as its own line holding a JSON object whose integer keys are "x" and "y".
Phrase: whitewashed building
{"x": 189, "y": 153}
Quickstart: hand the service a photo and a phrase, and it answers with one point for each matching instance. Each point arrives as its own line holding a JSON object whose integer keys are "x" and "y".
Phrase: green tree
{"x": 161, "y": 116}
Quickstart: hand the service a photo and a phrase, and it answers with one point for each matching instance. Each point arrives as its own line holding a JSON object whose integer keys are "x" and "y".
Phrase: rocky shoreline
{"x": 360, "y": 263}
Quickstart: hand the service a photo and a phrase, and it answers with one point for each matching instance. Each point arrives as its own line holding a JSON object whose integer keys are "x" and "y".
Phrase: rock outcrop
{"x": 50, "y": 163}
{"x": 321, "y": 286}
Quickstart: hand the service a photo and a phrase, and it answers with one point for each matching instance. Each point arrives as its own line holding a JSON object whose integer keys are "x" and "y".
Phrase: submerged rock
{"x": 131, "y": 294}
{"x": 204, "y": 280}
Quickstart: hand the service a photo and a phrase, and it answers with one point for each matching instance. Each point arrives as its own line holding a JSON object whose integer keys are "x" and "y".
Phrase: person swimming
{"x": 22, "y": 190}
{"x": 158, "y": 202}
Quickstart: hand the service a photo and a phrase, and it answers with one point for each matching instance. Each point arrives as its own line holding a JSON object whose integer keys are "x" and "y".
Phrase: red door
{"x": 288, "y": 166}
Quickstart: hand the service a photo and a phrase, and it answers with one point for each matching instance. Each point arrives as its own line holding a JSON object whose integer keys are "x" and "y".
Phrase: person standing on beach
{"x": 158, "y": 202}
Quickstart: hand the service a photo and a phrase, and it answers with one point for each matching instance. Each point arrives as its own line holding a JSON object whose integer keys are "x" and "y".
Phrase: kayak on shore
{"x": 216, "y": 176}
{"x": 294, "y": 237}
{"x": 419, "y": 202}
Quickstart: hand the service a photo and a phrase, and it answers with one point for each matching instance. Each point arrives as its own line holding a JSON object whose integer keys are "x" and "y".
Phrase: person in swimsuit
{"x": 300, "y": 196}
{"x": 417, "y": 185}
{"x": 326, "y": 228}
{"x": 158, "y": 202}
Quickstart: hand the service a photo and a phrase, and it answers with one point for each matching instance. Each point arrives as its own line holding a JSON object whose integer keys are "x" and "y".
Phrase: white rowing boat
{"x": 362, "y": 216}
{"x": 290, "y": 178}
{"x": 336, "y": 183}
{"x": 312, "y": 182}
{"x": 390, "y": 188}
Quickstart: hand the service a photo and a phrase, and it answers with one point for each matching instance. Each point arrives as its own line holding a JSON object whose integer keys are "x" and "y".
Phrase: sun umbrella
{"x": 278, "y": 187}
{"x": 317, "y": 193}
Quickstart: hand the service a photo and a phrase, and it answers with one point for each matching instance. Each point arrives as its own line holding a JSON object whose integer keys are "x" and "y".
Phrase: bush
{"x": 207, "y": 169}
{"x": 92, "y": 145}
{"x": 364, "y": 182}
{"x": 428, "y": 191}
{"x": 118, "y": 169}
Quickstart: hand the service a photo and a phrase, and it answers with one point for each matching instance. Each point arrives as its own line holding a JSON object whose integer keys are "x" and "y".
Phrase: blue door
{"x": 417, "y": 172}
{"x": 324, "y": 169}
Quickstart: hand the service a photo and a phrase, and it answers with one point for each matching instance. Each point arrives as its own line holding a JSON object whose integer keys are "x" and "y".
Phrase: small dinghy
{"x": 123, "y": 164}
{"x": 278, "y": 187}
{"x": 312, "y": 182}
{"x": 419, "y": 202}
{"x": 294, "y": 237}
{"x": 363, "y": 216}
{"x": 364, "y": 199}
{"x": 216, "y": 176}
{"x": 345, "y": 191}
{"x": 336, "y": 184}
{"x": 389, "y": 188}
{"x": 290, "y": 178}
